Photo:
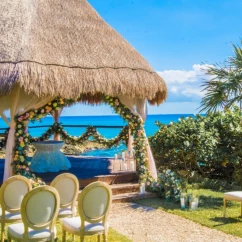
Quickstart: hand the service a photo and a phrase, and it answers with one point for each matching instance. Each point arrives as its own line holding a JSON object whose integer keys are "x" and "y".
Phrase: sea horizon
{"x": 152, "y": 114}
{"x": 100, "y": 120}
{"x": 105, "y": 120}
{"x": 171, "y": 116}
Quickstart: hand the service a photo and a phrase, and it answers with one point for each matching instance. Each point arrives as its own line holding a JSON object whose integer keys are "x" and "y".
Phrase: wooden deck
{"x": 89, "y": 169}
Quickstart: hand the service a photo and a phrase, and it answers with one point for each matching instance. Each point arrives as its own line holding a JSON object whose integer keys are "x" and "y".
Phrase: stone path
{"x": 144, "y": 224}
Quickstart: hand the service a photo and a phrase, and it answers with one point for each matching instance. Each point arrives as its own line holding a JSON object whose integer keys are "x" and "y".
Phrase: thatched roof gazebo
{"x": 64, "y": 48}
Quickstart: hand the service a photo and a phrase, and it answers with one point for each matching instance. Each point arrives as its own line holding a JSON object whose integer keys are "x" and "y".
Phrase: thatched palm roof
{"x": 64, "y": 48}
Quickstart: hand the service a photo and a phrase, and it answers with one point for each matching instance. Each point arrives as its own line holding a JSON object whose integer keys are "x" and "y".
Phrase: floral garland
{"x": 90, "y": 131}
{"x": 21, "y": 161}
{"x": 136, "y": 126}
{"x": 168, "y": 185}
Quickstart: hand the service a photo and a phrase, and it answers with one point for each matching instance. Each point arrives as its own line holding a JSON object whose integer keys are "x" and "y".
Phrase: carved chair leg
{"x": 241, "y": 209}
{"x": 9, "y": 238}
{"x": 105, "y": 237}
{"x": 63, "y": 235}
{"x": 2, "y": 232}
{"x": 224, "y": 207}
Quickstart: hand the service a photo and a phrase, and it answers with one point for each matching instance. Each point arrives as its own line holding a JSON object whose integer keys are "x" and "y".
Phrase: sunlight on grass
{"x": 209, "y": 213}
{"x": 113, "y": 236}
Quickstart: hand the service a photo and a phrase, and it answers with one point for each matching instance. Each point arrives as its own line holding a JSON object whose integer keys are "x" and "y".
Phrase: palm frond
{"x": 225, "y": 86}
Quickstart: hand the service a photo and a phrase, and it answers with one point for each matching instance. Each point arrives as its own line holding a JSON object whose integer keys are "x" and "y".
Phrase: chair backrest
{"x": 94, "y": 202}
{"x": 39, "y": 208}
{"x": 67, "y": 186}
{"x": 12, "y": 193}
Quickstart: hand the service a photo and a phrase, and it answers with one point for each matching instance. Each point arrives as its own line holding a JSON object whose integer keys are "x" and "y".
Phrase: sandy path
{"x": 144, "y": 224}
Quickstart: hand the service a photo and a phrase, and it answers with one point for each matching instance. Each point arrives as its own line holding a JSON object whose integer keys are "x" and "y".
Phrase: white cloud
{"x": 185, "y": 85}
{"x": 189, "y": 92}
{"x": 178, "y": 76}
{"x": 174, "y": 89}
{"x": 175, "y": 108}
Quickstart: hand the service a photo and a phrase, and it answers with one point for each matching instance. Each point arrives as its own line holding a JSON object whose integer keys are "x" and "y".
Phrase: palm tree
{"x": 225, "y": 87}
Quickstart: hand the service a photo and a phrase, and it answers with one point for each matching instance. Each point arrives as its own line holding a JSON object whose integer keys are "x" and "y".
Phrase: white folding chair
{"x": 233, "y": 196}
{"x": 39, "y": 211}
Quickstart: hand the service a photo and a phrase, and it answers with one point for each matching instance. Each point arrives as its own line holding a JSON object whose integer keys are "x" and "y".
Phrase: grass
{"x": 209, "y": 213}
{"x": 113, "y": 236}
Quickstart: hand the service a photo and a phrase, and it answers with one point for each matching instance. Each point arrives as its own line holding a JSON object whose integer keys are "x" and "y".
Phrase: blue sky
{"x": 178, "y": 38}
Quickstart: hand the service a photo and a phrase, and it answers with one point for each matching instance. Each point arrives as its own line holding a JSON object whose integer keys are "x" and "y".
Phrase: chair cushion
{"x": 236, "y": 196}
{"x": 17, "y": 231}
{"x": 74, "y": 224}
{"x": 10, "y": 216}
{"x": 65, "y": 212}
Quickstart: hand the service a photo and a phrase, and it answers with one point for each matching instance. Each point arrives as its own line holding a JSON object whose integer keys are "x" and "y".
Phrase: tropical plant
{"x": 168, "y": 185}
{"x": 225, "y": 87}
{"x": 186, "y": 145}
{"x": 208, "y": 145}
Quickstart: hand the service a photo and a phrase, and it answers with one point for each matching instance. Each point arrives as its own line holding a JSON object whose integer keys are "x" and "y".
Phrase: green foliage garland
{"x": 21, "y": 162}
{"x": 90, "y": 132}
{"x": 137, "y": 130}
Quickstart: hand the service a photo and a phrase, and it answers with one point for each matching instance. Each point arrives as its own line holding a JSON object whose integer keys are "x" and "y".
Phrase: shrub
{"x": 210, "y": 145}
{"x": 168, "y": 185}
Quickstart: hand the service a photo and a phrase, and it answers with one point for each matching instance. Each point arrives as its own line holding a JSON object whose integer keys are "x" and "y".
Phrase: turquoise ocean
{"x": 150, "y": 127}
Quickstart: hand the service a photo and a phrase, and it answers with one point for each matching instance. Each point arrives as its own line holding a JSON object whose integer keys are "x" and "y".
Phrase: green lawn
{"x": 209, "y": 213}
{"x": 113, "y": 236}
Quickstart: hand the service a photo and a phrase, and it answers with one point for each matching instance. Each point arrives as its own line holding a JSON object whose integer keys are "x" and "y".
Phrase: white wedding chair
{"x": 12, "y": 193}
{"x": 93, "y": 206}
{"x": 233, "y": 196}
{"x": 67, "y": 186}
{"x": 39, "y": 210}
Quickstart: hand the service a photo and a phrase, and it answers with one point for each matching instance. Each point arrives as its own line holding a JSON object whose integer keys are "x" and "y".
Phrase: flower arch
{"x": 21, "y": 161}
